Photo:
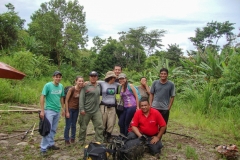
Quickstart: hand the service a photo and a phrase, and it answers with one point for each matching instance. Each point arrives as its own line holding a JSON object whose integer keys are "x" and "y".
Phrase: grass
{"x": 220, "y": 127}
{"x": 191, "y": 153}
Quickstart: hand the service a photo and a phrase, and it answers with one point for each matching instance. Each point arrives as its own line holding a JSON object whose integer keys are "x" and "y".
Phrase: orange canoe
{"x": 9, "y": 72}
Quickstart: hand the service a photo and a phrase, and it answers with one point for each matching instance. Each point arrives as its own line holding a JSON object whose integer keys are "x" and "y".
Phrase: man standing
{"x": 117, "y": 70}
{"x": 162, "y": 94}
{"x": 148, "y": 124}
{"x": 89, "y": 101}
{"x": 51, "y": 102}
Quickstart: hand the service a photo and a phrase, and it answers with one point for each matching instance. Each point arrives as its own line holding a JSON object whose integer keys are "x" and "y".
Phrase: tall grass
{"x": 24, "y": 92}
{"x": 221, "y": 125}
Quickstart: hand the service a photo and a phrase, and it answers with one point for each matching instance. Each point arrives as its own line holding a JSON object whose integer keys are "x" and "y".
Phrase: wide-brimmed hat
{"x": 110, "y": 74}
{"x": 122, "y": 75}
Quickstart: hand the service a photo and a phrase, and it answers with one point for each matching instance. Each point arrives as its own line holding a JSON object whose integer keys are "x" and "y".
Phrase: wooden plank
{"x": 35, "y": 110}
{"x": 23, "y": 107}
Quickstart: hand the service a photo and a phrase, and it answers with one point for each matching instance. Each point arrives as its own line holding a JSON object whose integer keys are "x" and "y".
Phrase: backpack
{"x": 125, "y": 149}
{"x": 96, "y": 151}
{"x": 130, "y": 89}
{"x": 136, "y": 88}
{"x": 66, "y": 89}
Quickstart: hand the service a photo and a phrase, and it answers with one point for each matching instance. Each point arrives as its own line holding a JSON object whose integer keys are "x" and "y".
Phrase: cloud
{"x": 179, "y": 17}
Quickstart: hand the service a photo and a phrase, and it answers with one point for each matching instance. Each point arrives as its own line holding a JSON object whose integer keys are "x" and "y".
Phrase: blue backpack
{"x": 138, "y": 93}
{"x": 130, "y": 89}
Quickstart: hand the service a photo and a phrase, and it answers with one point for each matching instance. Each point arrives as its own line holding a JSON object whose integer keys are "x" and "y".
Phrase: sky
{"x": 180, "y": 18}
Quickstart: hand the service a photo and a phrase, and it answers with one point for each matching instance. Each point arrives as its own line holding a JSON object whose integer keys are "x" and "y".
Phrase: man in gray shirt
{"x": 162, "y": 94}
{"x": 108, "y": 103}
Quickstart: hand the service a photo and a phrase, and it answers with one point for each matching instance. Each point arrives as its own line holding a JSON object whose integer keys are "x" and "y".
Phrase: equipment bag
{"x": 138, "y": 93}
{"x": 96, "y": 151}
{"x": 130, "y": 89}
{"x": 127, "y": 149}
{"x": 66, "y": 89}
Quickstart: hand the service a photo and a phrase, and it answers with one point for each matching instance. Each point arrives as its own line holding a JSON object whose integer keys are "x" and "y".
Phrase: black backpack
{"x": 66, "y": 89}
{"x": 96, "y": 151}
{"x": 125, "y": 149}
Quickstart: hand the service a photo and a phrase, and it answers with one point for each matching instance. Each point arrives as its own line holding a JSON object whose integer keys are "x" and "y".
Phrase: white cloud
{"x": 180, "y": 18}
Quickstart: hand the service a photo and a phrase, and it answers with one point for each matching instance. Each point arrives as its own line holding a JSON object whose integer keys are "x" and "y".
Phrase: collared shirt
{"x": 89, "y": 98}
{"x": 148, "y": 125}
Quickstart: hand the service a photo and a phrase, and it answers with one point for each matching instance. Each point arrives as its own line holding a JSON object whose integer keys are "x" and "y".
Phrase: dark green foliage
{"x": 174, "y": 53}
{"x": 62, "y": 38}
{"x": 230, "y": 85}
{"x": 106, "y": 58}
{"x": 10, "y": 25}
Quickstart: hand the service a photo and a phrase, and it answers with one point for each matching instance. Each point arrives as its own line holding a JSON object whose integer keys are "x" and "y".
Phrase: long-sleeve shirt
{"x": 89, "y": 98}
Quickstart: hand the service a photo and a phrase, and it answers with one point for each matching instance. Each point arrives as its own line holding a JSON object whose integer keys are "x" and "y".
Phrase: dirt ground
{"x": 12, "y": 147}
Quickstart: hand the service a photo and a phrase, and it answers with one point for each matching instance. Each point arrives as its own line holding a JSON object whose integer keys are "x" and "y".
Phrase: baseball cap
{"x": 56, "y": 73}
{"x": 93, "y": 73}
{"x": 122, "y": 75}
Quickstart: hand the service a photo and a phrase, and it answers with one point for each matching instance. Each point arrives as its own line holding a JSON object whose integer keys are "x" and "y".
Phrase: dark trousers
{"x": 71, "y": 123}
{"x": 154, "y": 148}
{"x": 165, "y": 115}
{"x": 118, "y": 112}
{"x": 126, "y": 118}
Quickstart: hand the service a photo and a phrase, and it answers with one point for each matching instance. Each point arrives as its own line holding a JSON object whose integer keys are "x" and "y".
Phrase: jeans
{"x": 53, "y": 118}
{"x": 126, "y": 118}
{"x": 71, "y": 123}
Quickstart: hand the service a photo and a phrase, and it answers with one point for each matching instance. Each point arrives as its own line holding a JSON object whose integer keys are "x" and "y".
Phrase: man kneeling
{"x": 148, "y": 122}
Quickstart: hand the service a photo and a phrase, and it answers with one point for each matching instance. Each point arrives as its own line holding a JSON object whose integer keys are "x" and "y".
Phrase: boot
{"x": 72, "y": 141}
{"x": 109, "y": 137}
{"x": 67, "y": 143}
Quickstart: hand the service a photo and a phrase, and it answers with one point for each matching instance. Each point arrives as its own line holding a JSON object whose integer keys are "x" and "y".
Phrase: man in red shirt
{"x": 148, "y": 122}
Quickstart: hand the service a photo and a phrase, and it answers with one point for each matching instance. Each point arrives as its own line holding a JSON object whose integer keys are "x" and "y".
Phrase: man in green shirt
{"x": 51, "y": 102}
{"x": 89, "y": 101}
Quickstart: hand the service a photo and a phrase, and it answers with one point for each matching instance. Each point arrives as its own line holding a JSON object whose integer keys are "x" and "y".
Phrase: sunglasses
{"x": 93, "y": 76}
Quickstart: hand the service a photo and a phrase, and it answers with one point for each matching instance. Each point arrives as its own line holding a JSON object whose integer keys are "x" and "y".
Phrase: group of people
{"x": 147, "y": 116}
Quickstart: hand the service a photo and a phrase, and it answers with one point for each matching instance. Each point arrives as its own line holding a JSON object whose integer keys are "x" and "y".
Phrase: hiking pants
{"x": 96, "y": 119}
{"x": 108, "y": 117}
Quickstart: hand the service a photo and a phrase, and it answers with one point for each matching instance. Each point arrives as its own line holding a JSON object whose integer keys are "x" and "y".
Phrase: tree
{"x": 106, "y": 58}
{"x": 210, "y": 35}
{"x": 10, "y": 25}
{"x": 61, "y": 28}
{"x": 98, "y": 44}
{"x": 150, "y": 41}
{"x": 174, "y": 53}
{"x": 136, "y": 43}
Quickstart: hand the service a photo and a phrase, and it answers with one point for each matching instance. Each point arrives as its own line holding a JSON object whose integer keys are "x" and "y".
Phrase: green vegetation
{"x": 191, "y": 153}
{"x": 207, "y": 81}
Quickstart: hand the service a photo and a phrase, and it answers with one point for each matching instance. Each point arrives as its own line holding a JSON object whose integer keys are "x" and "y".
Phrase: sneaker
{"x": 53, "y": 147}
{"x": 43, "y": 154}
